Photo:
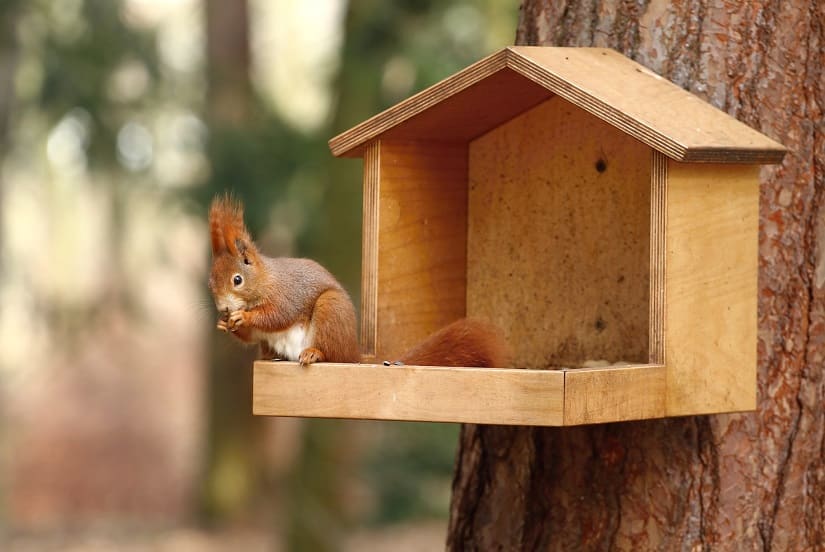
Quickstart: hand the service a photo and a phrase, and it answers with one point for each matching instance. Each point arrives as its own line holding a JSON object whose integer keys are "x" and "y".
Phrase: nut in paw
{"x": 235, "y": 321}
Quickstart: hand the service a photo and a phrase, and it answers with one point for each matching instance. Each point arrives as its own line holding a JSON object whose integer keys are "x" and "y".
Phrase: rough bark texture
{"x": 727, "y": 482}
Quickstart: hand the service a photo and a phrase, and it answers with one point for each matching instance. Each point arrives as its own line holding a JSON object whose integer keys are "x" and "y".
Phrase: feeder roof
{"x": 601, "y": 81}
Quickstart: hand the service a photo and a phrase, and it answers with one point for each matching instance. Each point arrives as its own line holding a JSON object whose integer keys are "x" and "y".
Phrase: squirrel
{"x": 296, "y": 309}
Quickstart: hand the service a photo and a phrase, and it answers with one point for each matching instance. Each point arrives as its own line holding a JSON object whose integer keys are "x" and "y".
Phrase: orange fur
{"x": 335, "y": 308}
{"x": 296, "y": 309}
{"x": 465, "y": 342}
{"x": 227, "y": 227}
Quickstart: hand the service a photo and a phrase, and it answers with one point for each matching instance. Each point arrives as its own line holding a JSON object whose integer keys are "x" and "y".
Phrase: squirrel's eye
{"x": 237, "y": 280}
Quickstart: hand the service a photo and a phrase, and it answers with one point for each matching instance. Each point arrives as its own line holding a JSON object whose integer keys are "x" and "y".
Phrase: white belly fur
{"x": 289, "y": 343}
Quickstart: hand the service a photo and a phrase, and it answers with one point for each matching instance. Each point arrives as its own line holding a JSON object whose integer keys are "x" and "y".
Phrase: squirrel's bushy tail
{"x": 465, "y": 342}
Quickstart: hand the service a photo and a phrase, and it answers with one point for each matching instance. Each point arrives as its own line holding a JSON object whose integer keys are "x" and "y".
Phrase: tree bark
{"x": 229, "y": 90}
{"x": 730, "y": 482}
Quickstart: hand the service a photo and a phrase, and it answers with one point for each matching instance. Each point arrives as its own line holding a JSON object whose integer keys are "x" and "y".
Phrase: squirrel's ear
{"x": 247, "y": 251}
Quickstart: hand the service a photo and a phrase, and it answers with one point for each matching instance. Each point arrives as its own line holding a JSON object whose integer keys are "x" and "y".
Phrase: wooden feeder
{"x": 589, "y": 207}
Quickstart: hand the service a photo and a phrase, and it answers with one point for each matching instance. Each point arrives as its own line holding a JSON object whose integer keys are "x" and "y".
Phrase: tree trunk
{"x": 229, "y": 90}
{"x": 731, "y": 482}
{"x": 234, "y": 470}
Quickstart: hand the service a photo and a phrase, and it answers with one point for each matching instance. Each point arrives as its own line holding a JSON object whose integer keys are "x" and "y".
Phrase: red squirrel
{"x": 296, "y": 310}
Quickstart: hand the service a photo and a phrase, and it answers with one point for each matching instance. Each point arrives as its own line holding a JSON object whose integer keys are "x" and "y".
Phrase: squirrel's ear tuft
{"x": 216, "y": 231}
{"x": 226, "y": 226}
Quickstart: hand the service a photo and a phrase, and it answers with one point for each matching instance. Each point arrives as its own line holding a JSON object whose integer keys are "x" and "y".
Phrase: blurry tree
{"x": 71, "y": 56}
{"x": 233, "y": 471}
{"x": 8, "y": 64}
{"x": 229, "y": 90}
{"x": 9, "y": 51}
{"x": 273, "y": 169}
{"x": 78, "y": 158}
{"x": 752, "y": 481}
{"x": 253, "y": 154}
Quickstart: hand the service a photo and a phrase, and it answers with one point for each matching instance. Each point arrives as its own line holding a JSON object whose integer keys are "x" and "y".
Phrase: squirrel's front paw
{"x": 235, "y": 321}
{"x": 222, "y": 325}
{"x": 310, "y": 355}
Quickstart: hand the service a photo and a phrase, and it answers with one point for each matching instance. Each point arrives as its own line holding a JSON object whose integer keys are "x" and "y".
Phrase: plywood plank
{"x": 470, "y": 80}
{"x": 369, "y": 250}
{"x": 601, "y": 81}
{"x": 559, "y": 230}
{"x": 422, "y": 242}
{"x": 476, "y": 110}
{"x": 444, "y": 115}
{"x": 417, "y": 393}
{"x": 658, "y": 258}
{"x": 711, "y": 288}
{"x": 645, "y": 105}
{"x": 613, "y": 394}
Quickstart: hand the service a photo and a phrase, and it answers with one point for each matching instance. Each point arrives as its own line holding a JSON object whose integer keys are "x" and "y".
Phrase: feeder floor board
{"x": 504, "y": 396}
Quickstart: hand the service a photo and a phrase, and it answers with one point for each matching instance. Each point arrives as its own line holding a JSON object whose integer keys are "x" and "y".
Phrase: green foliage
{"x": 79, "y": 46}
{"x": 318, "y": 518}
{"x": 411, "y": 471}
{"x": 257, "y": 162}
{"x": 67, "y": 55}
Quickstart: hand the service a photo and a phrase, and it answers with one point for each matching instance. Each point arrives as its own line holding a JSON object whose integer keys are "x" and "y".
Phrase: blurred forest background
{"x": 124, "y": 416}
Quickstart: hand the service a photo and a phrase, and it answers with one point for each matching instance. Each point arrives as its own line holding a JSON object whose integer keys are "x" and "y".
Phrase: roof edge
{"x": 677, "y": 151}
{"x": 351, "y": 141}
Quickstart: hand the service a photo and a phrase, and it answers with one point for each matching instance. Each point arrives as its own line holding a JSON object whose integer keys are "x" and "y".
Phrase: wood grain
{"x": 471, "y": 395}
{"x": 658, "y": 258}
{"x": 710, "y": 286}
{"x": 416, "y": 393}
{"x": 559, "y": 230}
{"x": 613, "y": 394}
{"x": 465, "y": 116}
{"x": 600, "y": 81}
{"x": 422, "y": 237}
{"x": 369, "y": 250}
{"x": 350, "y": 142}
